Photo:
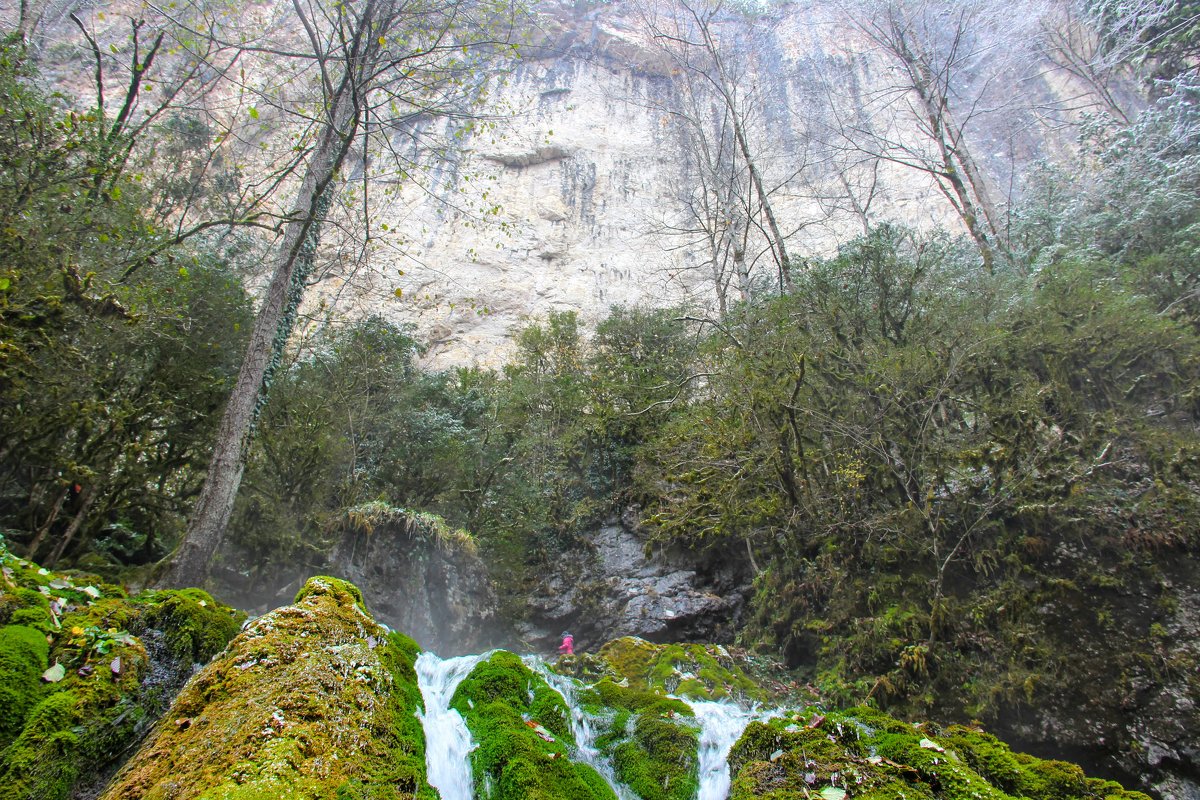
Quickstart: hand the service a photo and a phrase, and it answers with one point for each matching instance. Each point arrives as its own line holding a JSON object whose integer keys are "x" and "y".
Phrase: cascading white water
{"x": 447, "y": 741}
{"x": 583, "y": 728}
{"x": 721, "y": 724}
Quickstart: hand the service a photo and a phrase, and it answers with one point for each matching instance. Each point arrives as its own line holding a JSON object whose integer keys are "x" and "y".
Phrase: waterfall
{"x": 583, "y": 728}
{"x": 447, "y": 741}
{"x": 721, "y": 724}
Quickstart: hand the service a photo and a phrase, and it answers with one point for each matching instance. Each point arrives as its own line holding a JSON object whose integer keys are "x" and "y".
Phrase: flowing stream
{"x": 583, "y": 728}
{"x": 448, "y": 743}
{"x": 721, "y": 724}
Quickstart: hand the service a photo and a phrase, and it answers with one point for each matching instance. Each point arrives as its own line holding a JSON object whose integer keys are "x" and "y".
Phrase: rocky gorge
{"x": 828, "y": 370}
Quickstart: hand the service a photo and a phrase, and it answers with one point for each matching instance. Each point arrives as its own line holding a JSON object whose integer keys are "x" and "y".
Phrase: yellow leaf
{"x": 399, "y": 293}
{"x": 382, "y": 41}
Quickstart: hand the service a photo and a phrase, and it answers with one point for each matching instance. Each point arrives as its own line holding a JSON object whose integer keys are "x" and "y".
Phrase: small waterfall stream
{"x": 721, "y": 724}
{"x": 583, "y": 728}
{"x": 447, "y": 741}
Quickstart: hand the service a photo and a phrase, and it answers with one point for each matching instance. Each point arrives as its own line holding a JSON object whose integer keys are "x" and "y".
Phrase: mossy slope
{"x": 313, "y": 700}
{"x": 863, "y": 753}
{"x": 85, "y": 670}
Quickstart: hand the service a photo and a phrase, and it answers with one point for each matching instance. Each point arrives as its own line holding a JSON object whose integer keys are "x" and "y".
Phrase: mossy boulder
{"x": 23, "y": 659}
{"x": 85, "y": 670}
{"x": 863, "y": 753}
{"x": 523, "y": 729}
{"x": 651, "y": 739}
{"x": 313, "y": 700}
{"x": 703, "y": 672}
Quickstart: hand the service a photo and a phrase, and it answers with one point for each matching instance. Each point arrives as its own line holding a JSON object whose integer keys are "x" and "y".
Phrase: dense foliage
{"x": 936, "y": 471}
{"x": 115, "y": 348}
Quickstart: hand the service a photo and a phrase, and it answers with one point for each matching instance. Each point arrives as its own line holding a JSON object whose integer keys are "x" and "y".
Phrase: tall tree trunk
{"x": 973, "y": 198}
{"x": 191, "y": 561}
{"x": 44, "y": 528}
{"x": 723, "y": 86}
{"x": 89, "y": 497}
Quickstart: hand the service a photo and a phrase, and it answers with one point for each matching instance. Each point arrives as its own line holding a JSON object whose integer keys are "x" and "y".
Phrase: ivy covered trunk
{"x": 189, "y": 566}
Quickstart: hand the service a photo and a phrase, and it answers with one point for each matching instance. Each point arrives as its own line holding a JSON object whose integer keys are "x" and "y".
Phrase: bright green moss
{"x": 659, "y": 761}
{"x": 313, "y": 700}
{"x": 40, "y": 762}
{"x": 98, "y": 707}
{"x": 23, "y": 658}
{"x": 325, "y": 585}
{"x": 196, "y": 626}
{"x": 803, "y": 753}
{"x": 86, "y": 722}
{"x": 1048, "y": 780}
{"x": 29, "y": 604}
{"x": 501, "y": 701}
{"x": 1111, "y": 790}
{"x": 877, "y": 721}
{"x": 614, "y": 695}
{"x": 944, "y": 772}
{"x": 36, "y": 618}
{"x": 990, "y": 757}
{"x": 874, "y": 756}
{"x": 651, "y": 739}
{"x": 705, "y": 672}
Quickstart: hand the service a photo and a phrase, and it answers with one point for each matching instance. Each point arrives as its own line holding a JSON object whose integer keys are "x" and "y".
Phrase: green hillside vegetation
{"x": 961, "y": 489}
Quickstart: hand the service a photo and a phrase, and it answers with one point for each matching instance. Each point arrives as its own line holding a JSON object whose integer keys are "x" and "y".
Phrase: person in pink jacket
{"x": 567, "y": 648}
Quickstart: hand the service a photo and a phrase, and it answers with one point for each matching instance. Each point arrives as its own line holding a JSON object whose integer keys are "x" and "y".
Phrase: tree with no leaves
{"x": 950, "y": 65}
{"x": 379, "y": 63}
{"x": 717, "y": 119}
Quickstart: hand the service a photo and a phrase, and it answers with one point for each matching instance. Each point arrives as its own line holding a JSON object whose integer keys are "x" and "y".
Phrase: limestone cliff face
{"x": 580, "y": 193}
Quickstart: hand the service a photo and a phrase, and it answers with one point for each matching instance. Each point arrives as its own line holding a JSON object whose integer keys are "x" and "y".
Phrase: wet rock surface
{"x": 442, "y": 597}
{"x": 1126, "y": 707}
{"x": 609, "y": 586}
{"x": 412, "y": 578}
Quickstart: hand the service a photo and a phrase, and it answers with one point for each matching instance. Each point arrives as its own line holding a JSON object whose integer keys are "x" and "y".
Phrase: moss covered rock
{"x": 23, "y": 654}
{"x": 703, "y": 672}
{"x": 313, "y": 700}
{"x": 652, "y": 740}
{"x": 863, "y": 753}
{"x": 85, "y": 670}
{"x": 523, "y": 730}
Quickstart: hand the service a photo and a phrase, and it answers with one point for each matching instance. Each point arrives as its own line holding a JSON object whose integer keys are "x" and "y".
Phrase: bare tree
{"x": 1072, "y": 40}
{"x": 951, "y": 65}
{"x": 378, "y": 63}
{"x": 709, "y": 47}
